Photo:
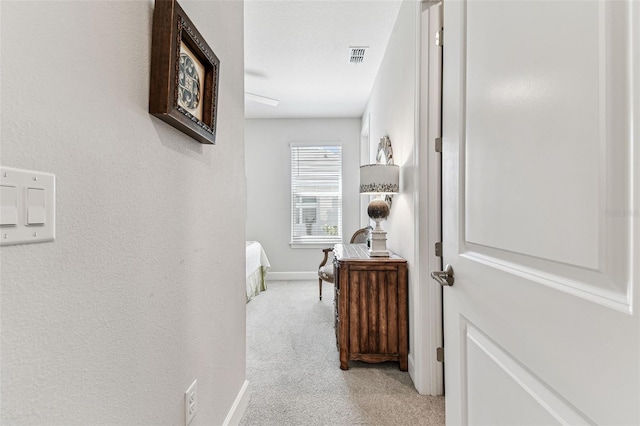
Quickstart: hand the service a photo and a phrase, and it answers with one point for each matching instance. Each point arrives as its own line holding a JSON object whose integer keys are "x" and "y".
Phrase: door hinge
{"x": 440, "y": 354}
{"x": 438, "y": 144}
{"x": 440, "y": 37}
{"x": 439, "y": 249}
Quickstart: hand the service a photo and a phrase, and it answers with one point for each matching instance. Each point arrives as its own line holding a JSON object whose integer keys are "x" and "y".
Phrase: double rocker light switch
{"x": 27, "y": 206}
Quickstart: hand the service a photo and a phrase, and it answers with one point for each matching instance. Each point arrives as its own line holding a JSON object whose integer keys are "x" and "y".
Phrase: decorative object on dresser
{"x": 385, "y": 156}
{"x": 325, "y": 270}
{"x": 183, "y": 90}
{"x": 385, "y": 152}
{"x": 379, "y": 179}
{"x": 371, "y": 306}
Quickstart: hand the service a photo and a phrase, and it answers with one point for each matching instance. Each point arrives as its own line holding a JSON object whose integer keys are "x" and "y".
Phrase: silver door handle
{"x": 444, "y": 278}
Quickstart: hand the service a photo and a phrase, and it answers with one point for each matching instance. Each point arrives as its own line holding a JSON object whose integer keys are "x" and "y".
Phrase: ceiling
{"x": 298, "y": 52}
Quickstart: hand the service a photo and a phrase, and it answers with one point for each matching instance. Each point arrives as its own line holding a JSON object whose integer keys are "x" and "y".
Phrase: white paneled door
{"x": 541, "y": 212}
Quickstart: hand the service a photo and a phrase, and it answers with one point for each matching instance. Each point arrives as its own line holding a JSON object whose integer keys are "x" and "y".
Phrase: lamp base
{"x": 378, "y": 244}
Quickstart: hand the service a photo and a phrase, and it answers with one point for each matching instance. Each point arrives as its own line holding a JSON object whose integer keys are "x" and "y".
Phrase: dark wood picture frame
{"x": 171, "y": 29}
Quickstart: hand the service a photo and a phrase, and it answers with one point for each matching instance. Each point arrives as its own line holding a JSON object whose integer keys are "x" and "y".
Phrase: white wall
{"x": 142, "y": 291}
{"x": 268, "y": 172}
{"x": 392, "y": 111}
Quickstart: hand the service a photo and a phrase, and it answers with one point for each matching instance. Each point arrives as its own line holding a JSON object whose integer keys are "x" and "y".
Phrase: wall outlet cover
{"x": 191, "y": 402}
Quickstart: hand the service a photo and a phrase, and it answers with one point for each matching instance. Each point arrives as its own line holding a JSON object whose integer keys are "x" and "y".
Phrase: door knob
{"x": 444, "y": 278}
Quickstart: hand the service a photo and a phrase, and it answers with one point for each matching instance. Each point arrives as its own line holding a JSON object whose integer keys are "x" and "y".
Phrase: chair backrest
{"x": 360, "y": 236}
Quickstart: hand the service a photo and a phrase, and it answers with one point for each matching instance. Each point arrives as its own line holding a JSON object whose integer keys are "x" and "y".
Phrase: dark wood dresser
{"x": 371, "y": 314}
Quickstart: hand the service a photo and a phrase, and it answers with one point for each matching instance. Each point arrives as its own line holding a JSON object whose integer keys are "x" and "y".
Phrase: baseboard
{"x": 239, "y": 406}
{"x": 291, "y": 276}
{"x": 413, "y": 373}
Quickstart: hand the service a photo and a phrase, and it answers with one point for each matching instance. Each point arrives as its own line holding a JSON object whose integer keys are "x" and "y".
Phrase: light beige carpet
{"x": 294, "y": 373}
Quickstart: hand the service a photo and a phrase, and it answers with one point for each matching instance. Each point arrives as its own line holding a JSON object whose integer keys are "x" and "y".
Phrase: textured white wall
{"x": 142, "y": 291}
{"x": 391, "y": 110}
{"x": 268, "y": 171}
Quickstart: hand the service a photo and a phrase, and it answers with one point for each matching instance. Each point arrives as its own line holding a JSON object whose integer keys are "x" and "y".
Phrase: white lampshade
{"x": 379, "y": 179}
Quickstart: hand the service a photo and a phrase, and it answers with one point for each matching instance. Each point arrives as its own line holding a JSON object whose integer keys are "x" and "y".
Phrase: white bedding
{"x": 256, "y": 257}
{"x": 257, "y": 267}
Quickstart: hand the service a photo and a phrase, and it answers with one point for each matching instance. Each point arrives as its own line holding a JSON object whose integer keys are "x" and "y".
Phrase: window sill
{"x": 328, "y": 244}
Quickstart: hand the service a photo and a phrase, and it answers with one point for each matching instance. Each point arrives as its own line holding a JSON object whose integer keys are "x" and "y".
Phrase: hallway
{"x": 294, "y": 375}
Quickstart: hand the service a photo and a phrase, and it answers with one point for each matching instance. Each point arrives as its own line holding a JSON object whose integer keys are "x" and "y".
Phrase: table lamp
{"x": 379, "y": 179}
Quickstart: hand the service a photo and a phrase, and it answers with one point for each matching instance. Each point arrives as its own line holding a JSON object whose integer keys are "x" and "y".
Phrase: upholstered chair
{"x": 325, "y": 270}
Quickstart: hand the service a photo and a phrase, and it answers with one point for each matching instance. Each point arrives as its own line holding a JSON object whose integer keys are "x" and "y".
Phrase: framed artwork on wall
{"x": 183, "y": 88}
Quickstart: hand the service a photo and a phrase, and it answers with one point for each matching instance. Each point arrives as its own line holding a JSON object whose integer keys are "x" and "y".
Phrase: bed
{"x": 257, "y": 267}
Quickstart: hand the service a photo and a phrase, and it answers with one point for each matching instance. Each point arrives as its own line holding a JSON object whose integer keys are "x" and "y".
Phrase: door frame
{"x": 427, "y": 373}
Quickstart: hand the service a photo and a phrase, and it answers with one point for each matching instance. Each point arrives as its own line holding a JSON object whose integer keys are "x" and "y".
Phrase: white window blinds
{"x": 316, "y": 194}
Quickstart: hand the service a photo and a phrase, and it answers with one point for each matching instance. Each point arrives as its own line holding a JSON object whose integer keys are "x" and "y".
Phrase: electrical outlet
{"x": 191, "y": 402}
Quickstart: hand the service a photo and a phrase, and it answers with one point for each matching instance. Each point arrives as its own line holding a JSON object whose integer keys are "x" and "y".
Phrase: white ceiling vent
{"x": 357, "y": 54}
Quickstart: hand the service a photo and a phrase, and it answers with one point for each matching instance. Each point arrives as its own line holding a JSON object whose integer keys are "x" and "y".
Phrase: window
{"x": 316, "y": 194}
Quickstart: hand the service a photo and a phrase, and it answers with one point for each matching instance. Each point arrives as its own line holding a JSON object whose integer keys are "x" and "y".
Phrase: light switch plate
{"x": 43, "y": 210}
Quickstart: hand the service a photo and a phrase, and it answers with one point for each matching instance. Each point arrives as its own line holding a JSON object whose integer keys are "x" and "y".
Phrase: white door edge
{"x": 425, "y": 370}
